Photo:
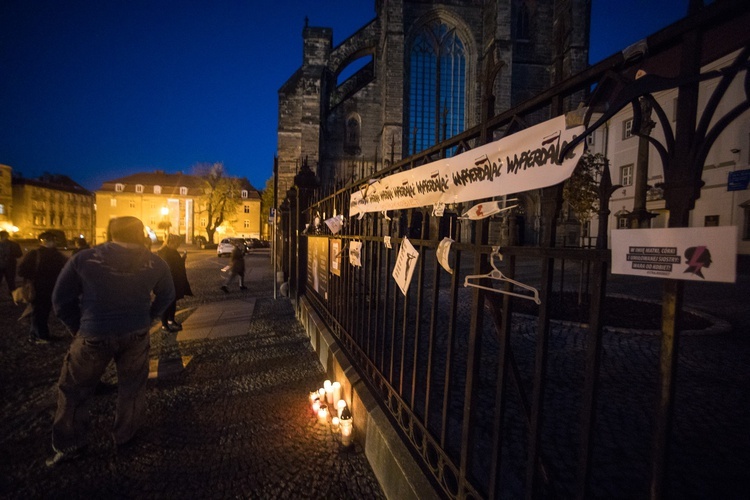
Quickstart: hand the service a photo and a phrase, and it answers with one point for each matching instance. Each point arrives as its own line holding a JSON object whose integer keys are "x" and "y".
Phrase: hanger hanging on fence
{"x": 496, "y": 274}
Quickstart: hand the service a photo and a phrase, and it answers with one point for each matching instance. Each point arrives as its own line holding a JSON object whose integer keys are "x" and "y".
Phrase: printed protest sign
{"x": 685, "y": 253}
{"x": 335, "y": 253}
{"x": 355, "y": 257}
{"x": 520, "y": 162}
{"x": 405, "y": 264}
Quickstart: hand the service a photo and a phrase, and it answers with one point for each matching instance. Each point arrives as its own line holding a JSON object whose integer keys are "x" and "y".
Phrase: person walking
{"x": 104, "y": 298}
{"x": 10, "y": 251}
{"x": 41, "y": 267}
{"x": 176, "y": 262}
{"x": 236, "y": 268}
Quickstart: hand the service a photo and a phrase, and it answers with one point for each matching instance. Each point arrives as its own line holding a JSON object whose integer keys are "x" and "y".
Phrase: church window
{"x": 437, "y": 87}
{"x": 353, "y": 134}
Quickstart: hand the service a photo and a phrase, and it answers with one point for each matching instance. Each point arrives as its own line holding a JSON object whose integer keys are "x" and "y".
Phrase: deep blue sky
{"x": 99, "y": 89}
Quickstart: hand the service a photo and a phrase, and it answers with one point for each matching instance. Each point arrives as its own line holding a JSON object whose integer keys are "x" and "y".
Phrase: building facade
{"x": 51, "y": 202}
{"x": 172, "y": 203}
{"x": 6, "y": 199}
{"x": 724, "y": 197}
{"x": 427, "y": 71}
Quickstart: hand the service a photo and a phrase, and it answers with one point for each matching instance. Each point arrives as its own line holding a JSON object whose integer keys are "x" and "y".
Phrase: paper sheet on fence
{"x": 679, "y": 253}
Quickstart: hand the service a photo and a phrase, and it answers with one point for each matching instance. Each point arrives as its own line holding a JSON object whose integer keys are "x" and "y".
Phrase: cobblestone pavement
{"x": 234, "y": 423}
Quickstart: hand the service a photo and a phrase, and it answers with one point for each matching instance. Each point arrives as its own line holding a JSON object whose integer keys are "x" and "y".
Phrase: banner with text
{"x": 517, "y": 163}
{"x": 679, "y": 253}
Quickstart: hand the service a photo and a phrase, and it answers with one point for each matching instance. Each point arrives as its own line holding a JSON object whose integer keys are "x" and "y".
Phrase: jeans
{"x": 83, "y": 366}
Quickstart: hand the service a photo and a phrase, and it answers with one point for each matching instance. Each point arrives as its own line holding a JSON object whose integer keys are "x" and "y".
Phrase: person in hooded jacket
{"x": 104, "y": 297}
{"x": 176, "y": 262}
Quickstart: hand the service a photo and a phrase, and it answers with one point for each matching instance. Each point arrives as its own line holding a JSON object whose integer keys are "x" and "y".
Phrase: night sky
{"x": 100, "y": 89}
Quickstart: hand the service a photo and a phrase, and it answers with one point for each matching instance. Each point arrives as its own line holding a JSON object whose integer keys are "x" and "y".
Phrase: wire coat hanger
{"x": 496, "y": 274}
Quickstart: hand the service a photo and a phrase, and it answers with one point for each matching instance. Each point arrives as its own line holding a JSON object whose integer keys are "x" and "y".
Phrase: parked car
{"x": 202, "y": 243}
{"x": 251, "y": 243}
{"x": 227, "y": 245}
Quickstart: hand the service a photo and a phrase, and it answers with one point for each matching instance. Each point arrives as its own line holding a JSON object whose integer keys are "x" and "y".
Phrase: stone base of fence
{"x": 396, "y": 469}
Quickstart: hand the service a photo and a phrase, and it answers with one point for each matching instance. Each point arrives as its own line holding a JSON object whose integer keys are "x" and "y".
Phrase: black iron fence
{"x": 496, "y": 397}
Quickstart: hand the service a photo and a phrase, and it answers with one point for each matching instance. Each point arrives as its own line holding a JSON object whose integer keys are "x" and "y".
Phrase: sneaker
{"x": 175, "y": 326}
{"x": 165, "y": 329}
{"x": 225, "y": 289}
{"x": 63, "y": 456}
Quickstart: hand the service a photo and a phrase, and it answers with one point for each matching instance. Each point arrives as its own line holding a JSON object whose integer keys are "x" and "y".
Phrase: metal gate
{"x": 494, "y": 397}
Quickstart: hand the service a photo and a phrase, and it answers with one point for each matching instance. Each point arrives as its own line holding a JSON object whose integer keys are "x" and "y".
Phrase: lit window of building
{"x": 119, "y": 187}
{"x": 183, "y": 191}
{"x": 157, "y": 189}
{"x": 113, "y": 202}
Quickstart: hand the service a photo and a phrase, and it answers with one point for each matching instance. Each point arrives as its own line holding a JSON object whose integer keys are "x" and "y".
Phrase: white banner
{"x": 678, "y": 253}
{"x": 517, "y": 163}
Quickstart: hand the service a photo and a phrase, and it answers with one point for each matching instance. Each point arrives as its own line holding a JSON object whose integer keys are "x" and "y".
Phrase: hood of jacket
{"x": 121, "y": 258}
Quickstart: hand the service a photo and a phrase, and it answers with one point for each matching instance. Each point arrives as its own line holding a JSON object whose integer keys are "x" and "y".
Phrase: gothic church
{"x": 428, "y": 70}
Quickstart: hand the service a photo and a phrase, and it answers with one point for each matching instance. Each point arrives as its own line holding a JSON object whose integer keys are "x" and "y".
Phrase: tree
{"x": 220, "y": 198}
{"x": 164, "y": 225}
{"x": 581, "y": 190}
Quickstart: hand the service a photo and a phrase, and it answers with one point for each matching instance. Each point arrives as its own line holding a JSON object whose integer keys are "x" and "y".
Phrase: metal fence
{"x": 495, "y": 398}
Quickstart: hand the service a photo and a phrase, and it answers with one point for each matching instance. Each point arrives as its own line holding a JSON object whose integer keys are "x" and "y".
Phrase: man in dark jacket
{"x": 9, "y": 252}
{"x": 41, "y": 266}
{"x": 103, "y": 296}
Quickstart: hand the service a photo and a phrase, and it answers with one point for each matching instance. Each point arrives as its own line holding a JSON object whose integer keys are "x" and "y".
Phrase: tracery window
{"x": 353, "y": 135}
{"x": 437, "y": 87}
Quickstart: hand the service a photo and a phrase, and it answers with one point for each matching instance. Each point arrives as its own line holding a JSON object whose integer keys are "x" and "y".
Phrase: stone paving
{"x": 227, "y": 414}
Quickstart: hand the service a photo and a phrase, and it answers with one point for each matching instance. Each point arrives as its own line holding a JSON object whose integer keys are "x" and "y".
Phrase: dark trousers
{"x": 168, "y": 314}
{"x": 40, "y": 318}
{"x": 83, "y": 366}
{"x": 9, "y": 275}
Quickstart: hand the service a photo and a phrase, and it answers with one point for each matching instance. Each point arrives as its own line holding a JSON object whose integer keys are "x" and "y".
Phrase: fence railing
{"x": 496, "y": 397}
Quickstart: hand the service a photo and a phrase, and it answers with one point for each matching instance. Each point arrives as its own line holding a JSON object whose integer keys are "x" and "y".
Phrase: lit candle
{"x": 316, "y": 406}
{"x": 336, "y": 393}
{"x": 346, "y": 427}
{"x": 340, "y": 407}
{"x": 335, "y": 424}
{"x": 313, "y": 396}
{"x": 323, "y": 414}
{"x": 329, "y": 392}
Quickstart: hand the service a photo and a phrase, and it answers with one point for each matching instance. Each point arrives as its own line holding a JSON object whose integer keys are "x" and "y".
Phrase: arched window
{"x": 183, "y": 191}
{"x": 437, "y": 87}
{"x": 119, "y": 187}
{"x": 243, "y": 193}
{"x": 522, "y": 22}
{"x": 139, "y": 188}
{"x": 353, "y": 135}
